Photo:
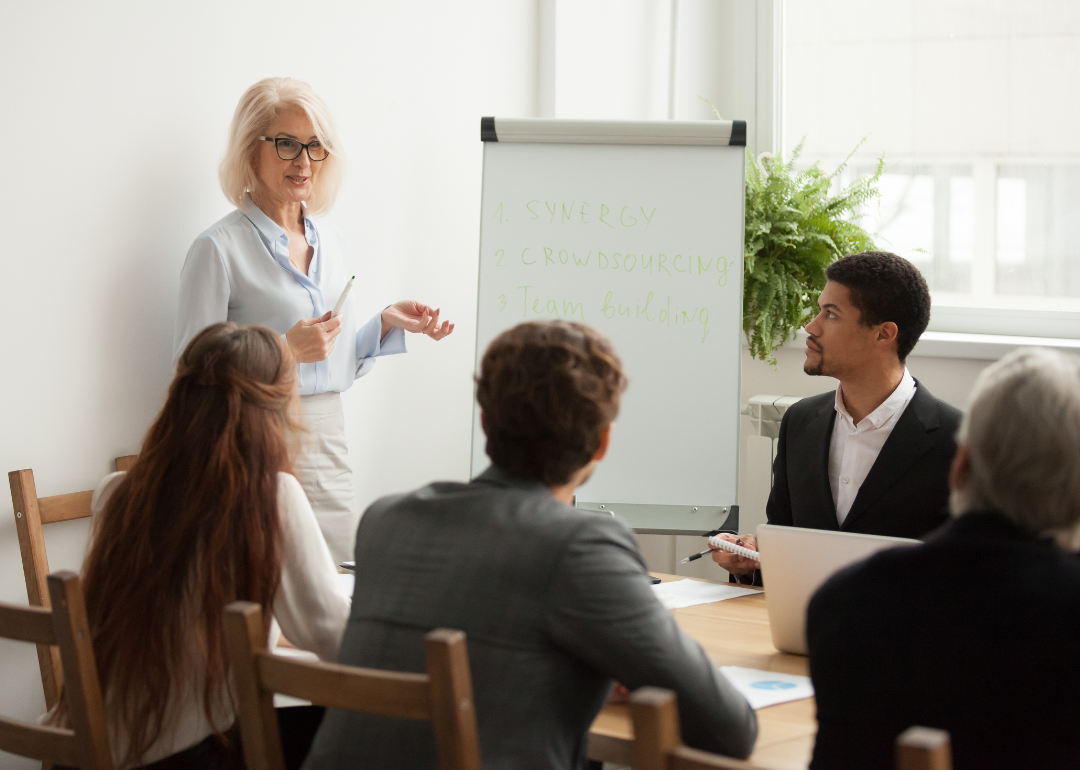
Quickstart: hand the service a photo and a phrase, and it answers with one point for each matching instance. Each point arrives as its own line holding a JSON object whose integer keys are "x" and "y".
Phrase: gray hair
{"x": 1022, "y": 431}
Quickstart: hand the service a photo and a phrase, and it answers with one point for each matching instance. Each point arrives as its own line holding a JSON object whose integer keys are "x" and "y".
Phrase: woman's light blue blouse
{"x": 239, "y": 270}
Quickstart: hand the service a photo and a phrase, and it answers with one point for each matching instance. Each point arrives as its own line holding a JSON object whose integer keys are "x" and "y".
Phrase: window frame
{"x": 982, "y": 313}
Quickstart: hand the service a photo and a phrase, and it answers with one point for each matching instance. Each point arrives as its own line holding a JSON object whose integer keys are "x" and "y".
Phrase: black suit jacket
{"x": 906, "y": 492}
{"x": 984, "y": 647}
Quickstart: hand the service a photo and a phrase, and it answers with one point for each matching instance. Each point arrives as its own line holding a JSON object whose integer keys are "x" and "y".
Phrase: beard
{"x": 818, "y": 369}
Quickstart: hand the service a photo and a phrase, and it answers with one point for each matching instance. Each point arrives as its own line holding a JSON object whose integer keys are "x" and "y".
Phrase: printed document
{"x": 767, "y": 688}
{"x": 687, "y": 593}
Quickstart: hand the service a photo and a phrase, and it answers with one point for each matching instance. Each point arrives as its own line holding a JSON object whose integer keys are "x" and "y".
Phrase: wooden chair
{"x": 31, "y": 512}
{"x": 658, "y": 745}
{"x": 923, "y": 748}
{"x": 443, "y": 695}
{"x": 87, "y": 744}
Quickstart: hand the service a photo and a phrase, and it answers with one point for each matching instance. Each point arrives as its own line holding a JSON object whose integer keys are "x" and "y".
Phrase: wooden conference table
{"x": 734, "y": 632}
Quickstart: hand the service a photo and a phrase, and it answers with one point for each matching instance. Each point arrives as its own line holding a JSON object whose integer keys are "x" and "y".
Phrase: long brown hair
{"x": 193, "y": 526}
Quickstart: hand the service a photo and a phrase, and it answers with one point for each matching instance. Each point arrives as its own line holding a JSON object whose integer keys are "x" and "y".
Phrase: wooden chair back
{"x": 923, "y": 748}
{"x": 657, "y": 740}
{"x": 31, "y": 513}
{"x": 658, "y": 745}
{"x": 442, "y": 696}
{"x": 86, "y": 745}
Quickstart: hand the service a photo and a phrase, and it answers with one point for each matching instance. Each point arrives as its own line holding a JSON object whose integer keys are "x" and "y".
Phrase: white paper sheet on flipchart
{"x": 676, "y": 594}
{"x": 676, "y": 441}
{"x": 767, "y": 688}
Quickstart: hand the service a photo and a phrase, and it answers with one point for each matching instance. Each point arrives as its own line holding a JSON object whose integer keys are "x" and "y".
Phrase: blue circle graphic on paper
{"x": 771, "y": 684}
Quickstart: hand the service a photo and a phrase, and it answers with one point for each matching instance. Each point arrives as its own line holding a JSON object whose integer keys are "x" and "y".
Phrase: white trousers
{"x": 324, "y": 472}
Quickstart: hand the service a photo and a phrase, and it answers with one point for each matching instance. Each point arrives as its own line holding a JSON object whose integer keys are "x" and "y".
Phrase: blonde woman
{"x": 272, "y": 262}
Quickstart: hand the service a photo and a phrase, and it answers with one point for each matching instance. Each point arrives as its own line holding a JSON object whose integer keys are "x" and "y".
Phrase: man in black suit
{"x": 872, "y": 456}
{"x": 983, "y": 645}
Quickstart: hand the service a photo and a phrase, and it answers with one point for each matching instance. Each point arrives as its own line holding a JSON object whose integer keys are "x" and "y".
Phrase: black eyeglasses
{"x": 290, "y": 149}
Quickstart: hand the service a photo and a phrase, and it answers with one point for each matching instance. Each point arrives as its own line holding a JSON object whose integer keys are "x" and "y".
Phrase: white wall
{"x": 117, "y": 114}
{"x": 933, "y": 78}
{"x": 612, "y": 59}
{"x": 123, "y": 107}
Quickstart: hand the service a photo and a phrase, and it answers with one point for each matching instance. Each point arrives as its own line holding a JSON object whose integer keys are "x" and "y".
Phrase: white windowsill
{"x": 1012, "y": 317}
{"x": 984, "y": 347}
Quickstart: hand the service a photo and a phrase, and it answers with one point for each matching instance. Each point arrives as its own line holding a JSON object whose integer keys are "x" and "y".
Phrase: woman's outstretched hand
{"x": 415, "y": 317}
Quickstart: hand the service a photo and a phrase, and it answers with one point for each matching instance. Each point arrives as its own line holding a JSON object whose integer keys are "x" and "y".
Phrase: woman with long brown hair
{"x": 210, "y": 513}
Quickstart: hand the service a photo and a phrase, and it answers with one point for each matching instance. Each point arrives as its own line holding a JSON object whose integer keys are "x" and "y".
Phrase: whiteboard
{"x": 643, "y": 242}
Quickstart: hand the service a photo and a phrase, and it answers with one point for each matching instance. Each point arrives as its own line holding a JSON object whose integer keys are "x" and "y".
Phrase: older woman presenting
{"x": 272, "y": 262}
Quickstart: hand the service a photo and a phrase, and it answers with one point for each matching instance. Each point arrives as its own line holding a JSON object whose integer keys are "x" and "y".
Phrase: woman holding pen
{"x": 272, "y": 262}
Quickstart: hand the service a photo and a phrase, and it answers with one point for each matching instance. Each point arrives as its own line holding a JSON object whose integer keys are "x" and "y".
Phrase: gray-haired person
{"x": 975, "y": 631}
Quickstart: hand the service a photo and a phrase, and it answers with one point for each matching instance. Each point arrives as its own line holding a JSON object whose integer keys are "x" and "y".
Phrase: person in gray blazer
{"x": 555, "y": 601}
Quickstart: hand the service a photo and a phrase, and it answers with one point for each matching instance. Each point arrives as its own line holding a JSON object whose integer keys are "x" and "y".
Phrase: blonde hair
{"x": 259, "y": 105}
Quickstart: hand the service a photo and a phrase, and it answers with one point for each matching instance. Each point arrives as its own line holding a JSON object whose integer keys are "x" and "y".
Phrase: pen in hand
{"x": 735, "y": 548}
{"x": 697, "y": 556}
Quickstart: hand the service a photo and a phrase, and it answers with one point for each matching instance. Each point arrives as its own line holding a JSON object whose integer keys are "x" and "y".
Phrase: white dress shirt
{"x": 310, "y": 605}
{"x": 239, "y": 270}
{"x": 855, "y": 448}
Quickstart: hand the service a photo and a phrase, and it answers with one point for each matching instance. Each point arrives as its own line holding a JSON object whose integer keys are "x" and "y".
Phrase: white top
{"x": 855, "y": 448}
{"x": 310, "y": 606}
{"x": 239, "y": 270}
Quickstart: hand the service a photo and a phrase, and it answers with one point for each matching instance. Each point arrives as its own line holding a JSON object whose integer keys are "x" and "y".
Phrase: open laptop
{"x": 794, "y": 564}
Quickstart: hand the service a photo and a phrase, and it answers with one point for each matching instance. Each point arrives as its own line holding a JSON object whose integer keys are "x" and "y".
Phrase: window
{"x": 973, "y": 106}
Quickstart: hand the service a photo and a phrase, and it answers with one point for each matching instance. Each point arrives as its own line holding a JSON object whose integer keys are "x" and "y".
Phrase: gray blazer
{"x": 555, "y": 602}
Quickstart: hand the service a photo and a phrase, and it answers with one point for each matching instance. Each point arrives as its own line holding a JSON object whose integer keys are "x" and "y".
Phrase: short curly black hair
{"x": 547, "y": 391}
{"x": 886, "y": 287}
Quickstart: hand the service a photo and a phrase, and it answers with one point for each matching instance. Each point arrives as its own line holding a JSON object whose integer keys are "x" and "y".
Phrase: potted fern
{"x": 796, "y": 226}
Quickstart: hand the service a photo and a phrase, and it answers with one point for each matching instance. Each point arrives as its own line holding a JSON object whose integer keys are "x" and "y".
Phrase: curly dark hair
{"x": 547, "y": 391}
{"x": 886, "y": 287}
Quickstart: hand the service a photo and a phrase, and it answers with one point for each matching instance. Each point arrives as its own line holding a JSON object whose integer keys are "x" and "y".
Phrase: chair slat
{"x": 124, "y": 463}
{"x": 52, "y": 744}
{"x": 388, "y": 693}
{"x": 686, "y": 758}
{"x": 31, "y": 512}
{"x": 657, "y": 742}
{"x": 923, "y": 748}
{"x": 86, "y": 708}
{"x": 24, "y": 502}
{"x": 451, "y": 696}
{"x": 443, "y": 695}
{"x": 245, "y": 640}
{"x": 75, "y": 505}
{"x": 656, "y": 727}
{"x": 35, "y": 562}
{"x": 26, "y": 624}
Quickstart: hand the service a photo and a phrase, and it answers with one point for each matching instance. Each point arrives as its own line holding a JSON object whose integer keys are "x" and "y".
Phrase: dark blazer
{"x": 906, "y": 492}
{"x": 555, "y": 602}
{"x": 984, "y": 646}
